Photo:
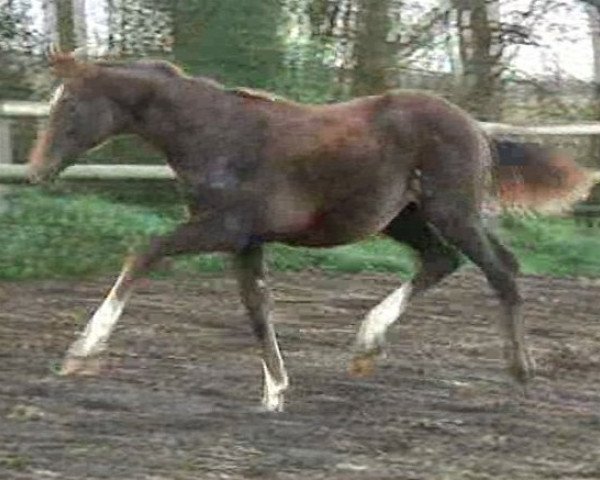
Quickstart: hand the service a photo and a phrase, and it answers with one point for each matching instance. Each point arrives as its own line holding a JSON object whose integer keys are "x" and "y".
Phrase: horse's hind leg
{"x": 462, "y": 226}
{"x": 505, "y": 255}
{"x": 251, "y": 272}
{"x": 437, "y": 260}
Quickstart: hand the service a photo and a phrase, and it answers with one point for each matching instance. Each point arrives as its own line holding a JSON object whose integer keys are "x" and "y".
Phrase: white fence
{"x": 10, "y": 172}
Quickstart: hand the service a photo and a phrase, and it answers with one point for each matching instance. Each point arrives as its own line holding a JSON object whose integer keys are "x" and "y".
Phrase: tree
{"x": 19, "y": 40}
{"x": 236, "y": 42}
{"x": 140, "y": 27}
{"x": 480, "y": 55}
{"x": 373, "y": 41}
{"x": 373, "y": 53}
{"x": 65, "y": 24}
{"x": 593, "y": 8}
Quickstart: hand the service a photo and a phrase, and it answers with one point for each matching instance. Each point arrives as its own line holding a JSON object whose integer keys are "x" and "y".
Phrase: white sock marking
{"x": 273, "y": 391}
{"x": 273, "y": 398}
{"x": 371, "y": 333}
{"x": 97, "y": 331}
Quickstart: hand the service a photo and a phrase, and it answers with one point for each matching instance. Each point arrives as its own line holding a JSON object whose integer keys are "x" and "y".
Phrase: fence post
{"x": 5, "y": 157}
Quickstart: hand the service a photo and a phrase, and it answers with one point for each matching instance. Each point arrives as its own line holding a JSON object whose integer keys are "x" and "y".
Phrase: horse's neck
{"x": 210, "y": 125}
{"x": 175, "y": 123}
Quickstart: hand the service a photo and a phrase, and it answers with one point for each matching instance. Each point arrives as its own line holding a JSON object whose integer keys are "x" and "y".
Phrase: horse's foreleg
{"x": 192, "y": 237}
{"x": 81, "y": 357}
{"x": 251, "y": 272}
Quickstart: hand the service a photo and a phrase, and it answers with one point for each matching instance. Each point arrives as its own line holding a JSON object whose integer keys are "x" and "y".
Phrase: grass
{"x": 80, "y": 235}
{"x": 553, "y": 246}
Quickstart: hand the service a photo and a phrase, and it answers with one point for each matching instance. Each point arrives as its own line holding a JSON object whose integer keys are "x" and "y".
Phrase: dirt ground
{"x": 178, "y": 396}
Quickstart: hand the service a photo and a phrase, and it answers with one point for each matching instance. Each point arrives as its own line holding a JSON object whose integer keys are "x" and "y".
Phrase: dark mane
{"x": 160, "y": 67}
{"x": 167, "y": 69}
{"x": 257, "y": 94}
{"x": 209, "y": 81}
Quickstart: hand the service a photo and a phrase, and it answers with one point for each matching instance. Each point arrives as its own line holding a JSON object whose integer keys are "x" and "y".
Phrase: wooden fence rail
{"x": 573, "y": 129}
{"x": 17, "y": 108}
{"x": 11, "y": 173}
{"x": 16, "y": 173}
{"x": 20, "y": 108}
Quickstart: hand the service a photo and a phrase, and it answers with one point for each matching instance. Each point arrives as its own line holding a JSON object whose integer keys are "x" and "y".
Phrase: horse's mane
{"x": 164, "y": 68}
{"x": 160, "y": 67}
{"x": 257, "y": 94}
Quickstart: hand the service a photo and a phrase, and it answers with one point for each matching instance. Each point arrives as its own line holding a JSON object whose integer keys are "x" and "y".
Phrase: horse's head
{"x": 81, "y": 117}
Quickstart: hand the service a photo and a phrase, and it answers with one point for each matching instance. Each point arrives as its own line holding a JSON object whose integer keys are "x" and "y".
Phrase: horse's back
{"x": 339, "y": 172}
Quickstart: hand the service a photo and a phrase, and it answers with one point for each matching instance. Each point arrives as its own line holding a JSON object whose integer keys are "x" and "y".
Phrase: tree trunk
{"x": 373, "y": 53}
{"x": 79, "y": 23}
{"x": 233, "y": 41}
{"x": 594, "y": 22}
{"x": 66, "y": 28}
{"x": 49, "y": 21}
{"x": 479, "y": 56}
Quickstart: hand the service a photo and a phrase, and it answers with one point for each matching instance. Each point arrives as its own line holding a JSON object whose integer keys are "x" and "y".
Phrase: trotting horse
{"x": 258, "y": 169}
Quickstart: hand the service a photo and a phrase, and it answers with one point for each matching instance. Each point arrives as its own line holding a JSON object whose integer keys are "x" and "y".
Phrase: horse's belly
{"x": 347, "y": 221}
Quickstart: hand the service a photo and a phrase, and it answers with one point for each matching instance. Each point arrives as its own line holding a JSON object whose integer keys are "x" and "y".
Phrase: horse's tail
{"x": 529, "y": 176}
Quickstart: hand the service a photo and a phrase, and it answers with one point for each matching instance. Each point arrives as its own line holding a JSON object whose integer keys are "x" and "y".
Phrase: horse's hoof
{"x": 522, "y": 369}
{"x": 520, "y": 375}
{"x": 363, "y": 366}
{"x": 83, "y": 366}
{"x": 272, "y": 404}
{"x": 258, "y": 409}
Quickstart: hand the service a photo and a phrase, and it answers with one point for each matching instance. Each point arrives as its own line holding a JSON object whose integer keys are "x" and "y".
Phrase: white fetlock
{"x": 273, "y": 398}
{"x": 99, "y": 328}
{"x": 371, "y": 333}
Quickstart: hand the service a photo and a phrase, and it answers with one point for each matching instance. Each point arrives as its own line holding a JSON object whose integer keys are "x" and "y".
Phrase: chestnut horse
{"x": 257, "y": 169}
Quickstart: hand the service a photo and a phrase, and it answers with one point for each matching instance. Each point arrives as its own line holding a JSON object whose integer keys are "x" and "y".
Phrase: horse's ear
{"x": 66, "y": 64}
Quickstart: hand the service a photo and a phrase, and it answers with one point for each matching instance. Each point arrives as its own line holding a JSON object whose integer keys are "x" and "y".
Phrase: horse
{"x": 257, "y": 168}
